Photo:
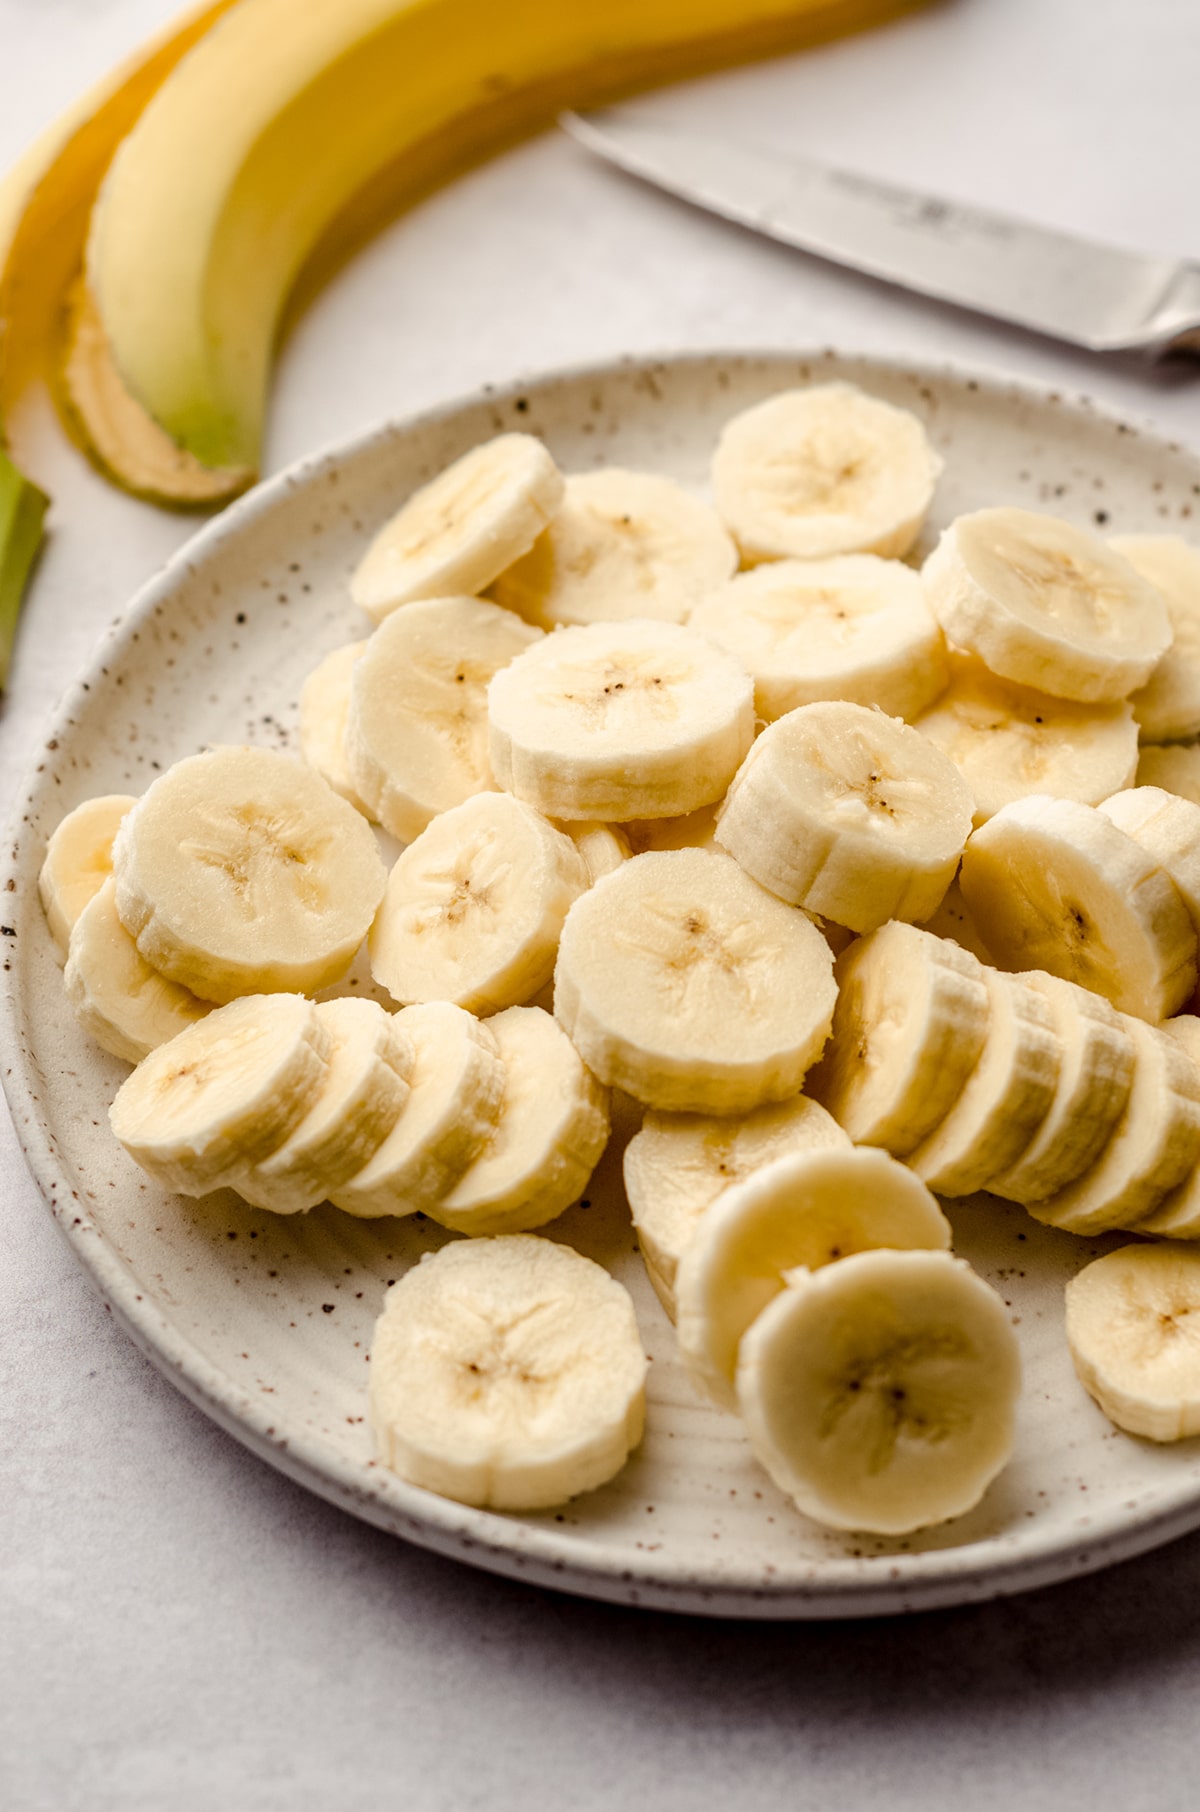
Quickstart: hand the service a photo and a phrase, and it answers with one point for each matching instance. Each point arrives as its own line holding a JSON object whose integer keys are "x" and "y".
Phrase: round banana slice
{"x": 371, "y": 1058}
{"x": 456, "y": 1087}
{"x": 880, "y": 1393}
{"x": 678, "y": 1164}
{"x": 416, "y": 733}
{"x": 1096, "y": 1074}
{"x": 460, "y": 531}
{"x": 1003, "y": 1101}
{"x": 603, "y": 846}
{"x": 824, "y": 471}
{"x": 803, "y": 1210}
{"x": 623, "y": 544}
{"x": 1008, "y": 741}
{"x": 908, "y": 1029}
{"x": 1178, "y": 1214}
{"x": 1046, "y": 604}
{"x": 552, "y": 1129}
{"x": 620, "y": 720}
{"x": 324, "y": 710}
{"x": 242, "y": 872}
{"x": 849, "y": 814}
{"x": 1133, "y": 1327}
{"x": 1155, "y": 1144}
{"x": 1168, "y": 829}
{"x": 1055, "y": 885}
{"x": 78, "y": 861}
{"x": 855, "y": 628}
{"x": 224, "y": 1093}
{"x": 118, "y": 999}
{"x": 474, "y": 908}
{"x": 507, "y": 1373}
{"x": 1175, "y": 768}
{"x": 695, "y": 830}
{"x": 680, "y": 981}
{"x": 952, "y": 920}
{"x": 1168, "y": 705}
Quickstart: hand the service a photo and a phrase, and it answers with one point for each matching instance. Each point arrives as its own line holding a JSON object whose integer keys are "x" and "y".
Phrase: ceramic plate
{"x": 265, "y": 1323}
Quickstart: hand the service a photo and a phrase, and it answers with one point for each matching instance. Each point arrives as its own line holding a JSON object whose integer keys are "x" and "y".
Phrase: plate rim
{"x": 894, "y": 1583}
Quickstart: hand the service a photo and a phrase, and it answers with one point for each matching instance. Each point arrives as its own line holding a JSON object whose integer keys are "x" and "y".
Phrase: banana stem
{"x": 22, "y": 507}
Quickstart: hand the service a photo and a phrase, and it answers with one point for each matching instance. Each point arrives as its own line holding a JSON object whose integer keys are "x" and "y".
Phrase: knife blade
{"x": 1073, "y": 289}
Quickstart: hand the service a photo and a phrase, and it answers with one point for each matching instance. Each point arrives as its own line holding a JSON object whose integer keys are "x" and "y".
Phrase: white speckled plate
{"x": 265, "y": 1323}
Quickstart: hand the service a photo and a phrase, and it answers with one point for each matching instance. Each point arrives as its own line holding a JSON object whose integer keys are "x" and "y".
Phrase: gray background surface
{"x": 182, "y": 1628}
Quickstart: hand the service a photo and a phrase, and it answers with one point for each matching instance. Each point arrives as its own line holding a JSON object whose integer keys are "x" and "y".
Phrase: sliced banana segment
{"x": 603, "y": 846}
{"x": 678, "y": 1164}
{"x": 849, "y": 814}
{"x": 1178, "y": 1215}
{"x": 1133, "y": 1327}
{"x": 324, "y": 711}
{"x": 1046, "y": 604}
{"x": 1168, "y": 829}
{"x": 620, "y": 720}
{"x": 1168, "y": 705}
{"x": 880, "y": 1393}
{"x": 78, "y": 861}
{"x": 474, "y": 908}
{"x": 823, "y": 471}
{"x": 1008, "y": 741}
{"x": 1096, "y": 1074}
{"x": 695, "y": 830}
{"x": 118, "y": 999}
{"x": 456, "y": 1088}
{"x": 806, "y": 1209}
{"x": 371, "y": 1058}
{"x": 854, "y": 628}
{"x": 909, "y": 1027}
{"x": 623, "y": 544}
{"x": 1175, "y": 768}
{"x": 552, "y": 1129}
{"x": 1154, "y": 1146}
{"x": 416, "y": 733}
{"x": 224, "y": 1093}
{"x": 1054, "y": 885}
{"x": 954, "y": 921}
{"x": 1003, "y": 1101}
{"x": 680, "y": 981}
{"x": 507, "y": 1373}
{"x": 460, "y": 531}
{"x": 242, "y": 872}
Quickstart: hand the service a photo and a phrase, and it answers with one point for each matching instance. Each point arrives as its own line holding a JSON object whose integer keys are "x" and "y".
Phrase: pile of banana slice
{"x": 868, "y": 885}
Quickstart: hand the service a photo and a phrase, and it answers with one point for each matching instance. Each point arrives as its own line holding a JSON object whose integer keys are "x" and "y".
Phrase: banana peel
{"x": 22, "y": 507}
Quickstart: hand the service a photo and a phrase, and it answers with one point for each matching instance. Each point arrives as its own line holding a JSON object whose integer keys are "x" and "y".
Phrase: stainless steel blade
{"x": 1096, "y": 296}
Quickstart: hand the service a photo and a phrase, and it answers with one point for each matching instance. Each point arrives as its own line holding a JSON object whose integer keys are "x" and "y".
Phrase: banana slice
{"x": 324, "y": 710}
{"x": 620, "y": 720}
{"x": 1096, "y": 1074}
{"x": 603, "y": 846}
{"x": 1133, "y": 1327}
{"x": 908, "y": 1029}
{"x": 224, "y": 1093}
{"x": 461, "y": 530}
{"x": 1178, "y": 1214}
{"x": 849, "y": 814}
{"x": 880, "y": 1393}
{"x": 552, "y": 1129}
{"x": 1168, "y": 829}
{"x": 416, "y": 732}
{"x": 1008, "y": 741}
{"x": 118, "y": 999}
{"x": 1176, "y": 769}
{"x": 474, "y": 908}
{"x": 824, "y": 471}
{"x": 507, "y": 1373}
{"x": 1003, "y": 1101}
{"x": 807, "y": 1209}
{"x": 371, "y": 1058}
{"x": 1054, "y": 885}
{"x": 953, "y": 920}
{"x": 1046, "y": 604}
{"x": 680, "y": 981}
{"x": 456, "y": 1087}
{"x": 1168, "y": 705}
{"x": 623, "y": 544}
{"x": 1155, "y": 1144}
{"x": 854, "y": 628}
{"x": 242, "y": 872}
{"x": 678, "y": 1164}
{"x": 695, "y": 830}
{"x": 78, "y": 861}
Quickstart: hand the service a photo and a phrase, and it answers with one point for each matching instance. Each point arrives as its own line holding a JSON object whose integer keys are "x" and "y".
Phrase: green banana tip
{"x": 22, "y": 509}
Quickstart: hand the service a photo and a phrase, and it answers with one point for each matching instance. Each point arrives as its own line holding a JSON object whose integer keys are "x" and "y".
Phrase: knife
{"x": 1096, "y": 296}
